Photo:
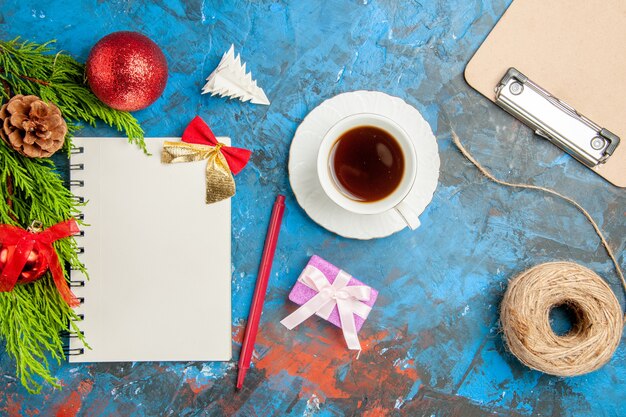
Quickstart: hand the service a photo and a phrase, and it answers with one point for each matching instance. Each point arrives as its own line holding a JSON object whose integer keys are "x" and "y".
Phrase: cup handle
{"x": 408, "y": 215}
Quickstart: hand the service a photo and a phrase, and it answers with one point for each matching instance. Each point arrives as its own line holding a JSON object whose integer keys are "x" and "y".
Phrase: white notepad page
{"x": 158, "y": 257}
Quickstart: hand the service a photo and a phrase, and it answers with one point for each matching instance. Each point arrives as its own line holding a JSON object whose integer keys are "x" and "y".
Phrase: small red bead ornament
{"x": 25, "y": 255}
{"x": 33, "y": 269}
{"x": 127, "y": 71}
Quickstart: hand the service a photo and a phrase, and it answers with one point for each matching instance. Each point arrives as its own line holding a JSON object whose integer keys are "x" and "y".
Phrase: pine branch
{"x": 9, "y": 200}
{"x": 32, "y": 316}
{"x": 30, "y": 68}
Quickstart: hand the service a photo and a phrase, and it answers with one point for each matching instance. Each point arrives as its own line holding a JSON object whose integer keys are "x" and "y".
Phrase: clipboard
{"x": 573, "y": 51}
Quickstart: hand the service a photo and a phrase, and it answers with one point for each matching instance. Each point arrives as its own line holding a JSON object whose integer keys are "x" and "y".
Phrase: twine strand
{"x": 530, "y": 297}
{"x": 490, "y": 176}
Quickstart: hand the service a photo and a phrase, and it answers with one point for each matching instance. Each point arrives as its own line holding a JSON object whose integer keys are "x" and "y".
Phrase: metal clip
{"x": 555, "y": 120}
{"x": 35, "y": 227}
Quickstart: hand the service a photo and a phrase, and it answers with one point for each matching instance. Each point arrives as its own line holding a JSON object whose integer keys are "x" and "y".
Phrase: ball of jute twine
{"x": 530, "y": 296}
{"x": 525, "y": 319}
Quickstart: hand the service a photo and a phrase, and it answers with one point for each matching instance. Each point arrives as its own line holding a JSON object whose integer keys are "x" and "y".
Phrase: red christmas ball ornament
{"x": 127, "y": 71}
{"x": 34, "y": 268}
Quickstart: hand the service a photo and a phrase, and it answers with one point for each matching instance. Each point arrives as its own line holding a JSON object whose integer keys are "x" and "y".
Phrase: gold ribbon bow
{"x": 220, "y": 183}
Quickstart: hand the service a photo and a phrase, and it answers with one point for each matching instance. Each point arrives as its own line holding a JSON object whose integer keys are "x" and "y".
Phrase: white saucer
{"x": 303, "y": 160}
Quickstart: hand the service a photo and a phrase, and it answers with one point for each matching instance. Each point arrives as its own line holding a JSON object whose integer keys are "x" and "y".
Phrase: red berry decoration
{"x": 127, "y": 71}
{"x": 34, "y": 267}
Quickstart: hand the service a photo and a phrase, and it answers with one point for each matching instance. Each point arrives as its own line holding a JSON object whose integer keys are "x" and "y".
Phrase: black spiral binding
{"x": 73, "y": 352}
{"x": 66, "y": 334}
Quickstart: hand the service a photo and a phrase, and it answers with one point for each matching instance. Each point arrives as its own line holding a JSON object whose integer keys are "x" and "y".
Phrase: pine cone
{"x": 32, "y": 127}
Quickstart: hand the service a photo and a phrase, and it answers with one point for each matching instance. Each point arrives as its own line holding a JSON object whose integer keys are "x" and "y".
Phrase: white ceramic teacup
{"x": 395, "y": 200}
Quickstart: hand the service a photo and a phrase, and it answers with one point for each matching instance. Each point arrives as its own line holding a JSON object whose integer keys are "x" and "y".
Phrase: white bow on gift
{"x": 348, "y": 299}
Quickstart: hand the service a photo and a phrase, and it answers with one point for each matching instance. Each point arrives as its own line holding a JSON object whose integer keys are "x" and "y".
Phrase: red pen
{"x": 256, "y": 308}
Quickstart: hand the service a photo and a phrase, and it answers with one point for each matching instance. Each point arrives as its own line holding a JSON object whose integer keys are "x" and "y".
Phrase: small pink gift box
{"x": 301, "y": 293}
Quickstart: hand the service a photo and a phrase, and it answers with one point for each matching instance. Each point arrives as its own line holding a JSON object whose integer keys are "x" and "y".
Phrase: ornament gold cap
{"x": 36, "y": 226}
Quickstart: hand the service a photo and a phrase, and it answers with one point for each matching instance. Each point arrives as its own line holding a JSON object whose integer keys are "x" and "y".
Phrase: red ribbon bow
{"x": 199, "y": 132}
{"x": 25, "y": 242}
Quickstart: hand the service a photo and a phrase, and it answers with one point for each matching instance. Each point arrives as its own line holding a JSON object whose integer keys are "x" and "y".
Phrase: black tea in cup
{"x": 367, "y": 163}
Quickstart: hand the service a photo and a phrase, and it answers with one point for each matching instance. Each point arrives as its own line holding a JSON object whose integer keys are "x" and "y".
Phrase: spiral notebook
{"x": 158, "y": 257}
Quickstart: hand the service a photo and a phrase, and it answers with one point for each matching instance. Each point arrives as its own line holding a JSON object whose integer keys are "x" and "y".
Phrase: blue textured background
{"x": 432, "y": 344}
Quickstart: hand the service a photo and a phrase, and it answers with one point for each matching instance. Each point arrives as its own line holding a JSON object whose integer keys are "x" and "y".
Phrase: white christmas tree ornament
{"x": 231, "y": 80}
